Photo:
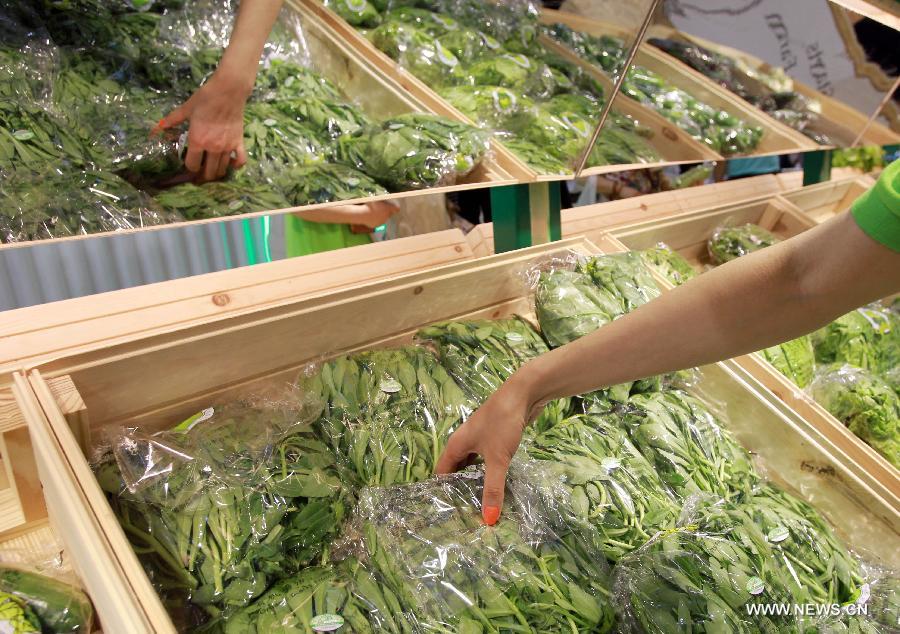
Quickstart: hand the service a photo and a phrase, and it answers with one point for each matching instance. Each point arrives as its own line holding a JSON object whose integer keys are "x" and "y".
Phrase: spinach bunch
{"x": 729, "y": 243}
{"x": 669, "y": 263}
{"x": 492, "y": 106}
{"x": 387, "y": 414}
{"x": 420, "y": 53}
{"x": 539, "y": 158}
{"x": 795, "y": 359}
{"x": 281, "y": 79}
{"x": 609, "y": 484}
{"x": 528, "y": 573}
{"x": 229, "y": 501}
{"x": 31, "y": 207}
{"x": 864, "y": 403}
{"x": 322, "y": 183}
{"x": 434, "y": 24}
{"x": 276, "y": 141}
{"x": 687, "y": 446}
{"x": 220, "y": 198}
{"x": 482, "y": 354}
{"x": 330, "y": 118}
{"x": 58, "y": 606}
{"x": 468, "y": 44}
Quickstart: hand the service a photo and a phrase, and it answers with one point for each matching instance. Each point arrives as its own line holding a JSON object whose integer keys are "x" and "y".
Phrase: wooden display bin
{"x": 165, "y": 377}
{"x": 673, "y": 144}
{"x": 838, "y": 120}
{"x": 823, "y": 201}
{"x": 777, "y": 138}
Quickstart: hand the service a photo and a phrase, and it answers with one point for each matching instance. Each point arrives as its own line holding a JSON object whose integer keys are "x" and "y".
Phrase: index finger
{"x": 455, "y": 454}
{"x": 494, "y": 488}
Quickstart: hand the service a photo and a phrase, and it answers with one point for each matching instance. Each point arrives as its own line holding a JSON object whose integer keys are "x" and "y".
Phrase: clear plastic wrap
{"x": 57, "y": 607}
{"x": 669, "y": 263}
{"x": 28, "y": 62}
{"x": 528, "y": 573}
{"x": 387, "y": 414}
{"x": 276, "y": 141}
{"x": 229, "y": 500}
{"x": 515, "y": 71}
{"x": 867, "y": 337}
{"x": 330, "y": 118}
{"x": 865, "y": 403}
{"x": 60, "y": 203}
{"x": 322, "y": 183}
{"x": 729, "y": 243}
{"x": 418, "y": 52}
{"x": 415, "y": 151}
{"x": 492, "y": 106}
{"x": 359, "y": 13}
{"x": 283, "y": 79}
{"x": 608, "y": 483}
{"x": 31, "y": 138}
{"x": 220, "y": 198}
{"x": 686, "y": 445}
{"x": 795, "y": 359}
{"x": 482, "y": 354}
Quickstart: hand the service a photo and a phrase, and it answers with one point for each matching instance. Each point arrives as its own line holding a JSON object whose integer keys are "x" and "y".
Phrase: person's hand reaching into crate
{"x": 751, "y": 303}
{"x": 215, "y": 112}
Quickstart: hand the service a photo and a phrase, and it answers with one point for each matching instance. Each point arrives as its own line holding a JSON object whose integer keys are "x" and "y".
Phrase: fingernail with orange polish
{"x": 490, "y": 514}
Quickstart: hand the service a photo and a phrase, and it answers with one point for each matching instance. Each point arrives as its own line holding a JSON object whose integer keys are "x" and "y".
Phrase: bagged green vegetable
{"x": 356, "y": 12}
{"x": 223, "y": 504}
{"x": 58, "y": 607}
{"x": 16, "y": 617}
{"x": 668, "y": 263}
{"x": 387, "y": 414}
{"x": 687, "y": 446}
{"x": 313, "y": 184}
{"x": 864, "y": 403}
{"x": 482, "y": 354}
{"x": 867, "y": 337}
{"x": 469, "y": 44}
{"x": 795, "y": 359}
{"x": 609, "y": 484}
{"x": 536, "y": 156}
{"x": 60, "y": 203}
{"x": 33, "y": 139}
{"x": 329, "y": 118}
{"x": 277, "y": 141}
{"x": 515, "y": 71}
{"x": 418, "y": 52}
{"x": 529, "y": 573}
{"x": 220, "y": 198}
{"x": 415, "y": 151}
{"x": 281, "y": 79}
{"x": 28, "y": 63}
{"x": 432, "y": 23}
{"x": 730, "y": 243}
{"x": 492, "y": 106}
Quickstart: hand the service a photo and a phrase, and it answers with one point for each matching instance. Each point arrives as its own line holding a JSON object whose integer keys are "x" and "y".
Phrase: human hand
{"x": 377, "y": 213}
{"x": 215, "y": 138}
{"x": 493, "y": 432}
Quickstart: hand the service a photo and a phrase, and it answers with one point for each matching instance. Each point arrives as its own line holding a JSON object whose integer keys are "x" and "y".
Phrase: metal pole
{"x": 887, "y": 98}
{"x": 607, "y": 107}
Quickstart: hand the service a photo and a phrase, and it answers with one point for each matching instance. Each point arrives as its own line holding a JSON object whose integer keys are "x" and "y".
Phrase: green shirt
{"x": 877, "y": 212}
{"x": 302, "y": 237}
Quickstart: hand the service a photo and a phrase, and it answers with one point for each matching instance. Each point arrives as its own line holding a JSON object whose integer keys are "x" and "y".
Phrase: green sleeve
{"x": 877, "y": 212}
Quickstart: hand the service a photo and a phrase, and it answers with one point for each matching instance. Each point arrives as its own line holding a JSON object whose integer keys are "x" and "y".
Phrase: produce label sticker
{"x": 196, "y": 419}
{"x": 755, "y": 586}
{"x": 390, "y": 385}
{"x": 357, "y": 6}
{"x": 445, "y": 55}
{"x": 23, "y": 135}
{"x": 448, "y": 23}
{"x": 504, "y": 101}
{"x": 519, "y": 60}
{"x": 778, "y": 534}
{"x": 326, "y": 622}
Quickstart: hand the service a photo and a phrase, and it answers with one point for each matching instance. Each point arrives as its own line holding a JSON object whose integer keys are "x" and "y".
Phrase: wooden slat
{"x": 823, "y": 201}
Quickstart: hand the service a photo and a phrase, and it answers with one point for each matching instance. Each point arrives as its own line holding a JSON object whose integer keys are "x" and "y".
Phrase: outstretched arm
{"x": 751, "y": 303}
{"x": 216, "y": 111}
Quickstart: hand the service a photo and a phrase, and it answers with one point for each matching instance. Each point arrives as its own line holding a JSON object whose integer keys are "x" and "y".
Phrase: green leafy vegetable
{"x": 494, "y": 106}
{"x": 868, "y": 338}
{"x": 328, "y": 117}
{"x": 220, "y": 198}
{"x": 313, "y": 184}
{"x": 31, "y": 138}
{"x": 516, "y": 71}
{"x": 278, "y": 141}
{"x": 16, "y": 616}
{"x": 729, "y": 243}
{"x": 286, "y": 80}
{"x": 59, "y": 607}
{"x": 422, "y": 54}
{"x": 669, "y": 263}
{"x": 795, "y": 359}
{"x": 356, "y": 12}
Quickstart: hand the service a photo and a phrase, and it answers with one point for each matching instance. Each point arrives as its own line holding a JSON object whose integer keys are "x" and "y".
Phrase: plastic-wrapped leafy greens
{"x": 492, "y": 106}
{"x": 322, "y": 183}
{"x": 220, "y": 198}
{"x": 432, "y": 23}
{"x": 482, "y": 354}
{"x": 867, "y": 337}
{"x": 863, "y": 402}
{"x": 28, "y": 62}
{"x": 229, "y": 500}
{"x": 276, "y": 141}
{"x": 422, "y": 54}
{"x": 729, "y": 243}
{"x": 283, "y": 79}
{"x": 795, "y": 359}
{"x": 58, "y": 607}
{"x": 519, "y": 72}
{"x": 687, "y": 580}
{"x": 359, "y": 13}
{"x": 31, "y": 138}
{"x": 687, "y": 446}
{"x": 469, "y": 44}
{"x": 330, "y": 118}
{"x": 537, "y": 157}
{"x": 60, "y": 203}
{"x": 17, "y": 616}
{"x": 605, "y": 50}
{"x": 415, "y": 151}
{"x": 609, "y": 484}
{"x": 581, "y": 104}
{"x": 668, "y": 263}
{"x": 529, "y": 573}
{"x": 387, "y": 413}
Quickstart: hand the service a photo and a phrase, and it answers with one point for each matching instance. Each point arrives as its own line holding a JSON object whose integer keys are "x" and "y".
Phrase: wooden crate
{"x": 168, "y": 376}
{"x": 794, "y": 178}
{"x": 777, "y": 138}
{"x": 36, "y": 334}
{"x": 688, "y": 233}
{"x": 673, "y": 144}
{"x": 823, "y": 201}
{"x": 838, "y": 120}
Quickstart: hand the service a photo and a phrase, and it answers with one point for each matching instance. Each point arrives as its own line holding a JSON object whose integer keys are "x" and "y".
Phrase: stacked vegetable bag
{"x": 83, "y": 86}
{"x": 721, "y": 131}
{"x": 629, "y": 509}
{"x": 486, "y": 61}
